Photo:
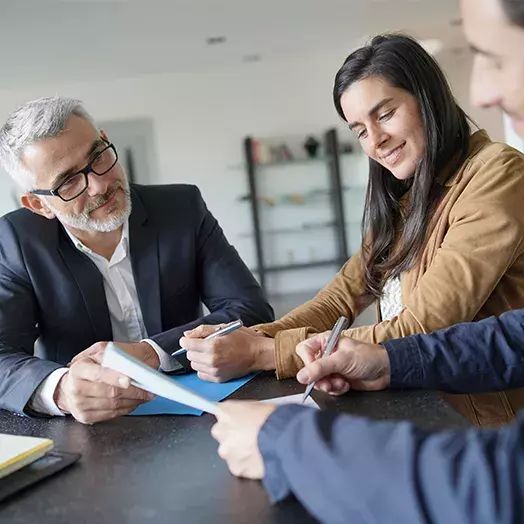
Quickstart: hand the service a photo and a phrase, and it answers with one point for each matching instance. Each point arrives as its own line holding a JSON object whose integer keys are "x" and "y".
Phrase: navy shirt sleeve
{"x": 472, "y": 357}
{"x": 349, "y": 469}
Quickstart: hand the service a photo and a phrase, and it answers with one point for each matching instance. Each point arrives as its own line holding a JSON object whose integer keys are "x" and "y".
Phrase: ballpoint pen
{"x": 228, "y": 328}
{"x": 224, "y": 330}
{"x": 339, "y": 326}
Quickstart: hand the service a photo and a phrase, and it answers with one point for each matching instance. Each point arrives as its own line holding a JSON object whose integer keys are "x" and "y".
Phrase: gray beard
{"x": 84, "y": 222}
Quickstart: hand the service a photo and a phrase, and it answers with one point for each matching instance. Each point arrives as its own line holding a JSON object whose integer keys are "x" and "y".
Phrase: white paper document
{"x": 144, "y": 377}
{"x": 293, "y": 399}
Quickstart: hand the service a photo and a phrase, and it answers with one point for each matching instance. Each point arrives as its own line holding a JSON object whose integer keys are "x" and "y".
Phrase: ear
{"x": 36, "y": 205}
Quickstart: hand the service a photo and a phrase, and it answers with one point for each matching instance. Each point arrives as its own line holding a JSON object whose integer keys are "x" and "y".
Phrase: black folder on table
{"x": 48, "y": 465}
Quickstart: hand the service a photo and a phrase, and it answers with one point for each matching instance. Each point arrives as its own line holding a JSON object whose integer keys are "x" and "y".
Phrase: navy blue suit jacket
{"x": 52, "y": 292}
{"x": 349, "y": 469}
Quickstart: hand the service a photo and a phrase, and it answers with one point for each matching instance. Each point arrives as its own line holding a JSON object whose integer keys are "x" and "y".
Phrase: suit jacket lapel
{"x": 143, "y": 243}
{"x": 90, "y": 284}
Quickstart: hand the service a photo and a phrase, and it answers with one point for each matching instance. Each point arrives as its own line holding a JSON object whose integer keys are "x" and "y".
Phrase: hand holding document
{"x": 144, "y": 377}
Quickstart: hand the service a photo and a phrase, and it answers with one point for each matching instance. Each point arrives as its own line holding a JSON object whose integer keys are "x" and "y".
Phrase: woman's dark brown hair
{"x": 403, "y": 63}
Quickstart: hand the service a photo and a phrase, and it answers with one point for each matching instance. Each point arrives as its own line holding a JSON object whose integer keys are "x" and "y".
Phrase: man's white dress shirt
{"x": 127, "y": 321}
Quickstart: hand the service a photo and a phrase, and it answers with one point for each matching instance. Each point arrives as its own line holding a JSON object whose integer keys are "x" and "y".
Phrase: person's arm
{"x": 344, "y": 469}
{"x": 20, "y": 372}
{"x": 226, "y": 286}
{"x": 36, "y": 387}
{"x": 484, "y": 238}
{"x": 344, "y": 295}
{"x": 475, "y": 357}
{"x": 256, "y": 349}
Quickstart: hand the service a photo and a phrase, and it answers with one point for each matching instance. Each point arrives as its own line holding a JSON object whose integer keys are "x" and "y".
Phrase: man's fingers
{"x": 132, "y": 393}
{"x": 311, "y": 349}
{"x": 209, "y": 373}
{"x": 207, "y": 378}
{"x": 106, "y": 404}
{"x": 203, "y": 368}
{"x": 88, "y": 369}
{"x": 307, "y": 354}
{"x": 82, "y": 388}
{"x": 319, "y": 369}
{"x": 218, "y": 431}
{"x": 339, "y": 384}
{"x": 92, "y": 417}
{"x": 88, "y": 353}
{"x": 95, "y": 349}
{"x": 333, "y": 385}
{"x": 341, "y": 391}
{"x": 97, "y": 357}
{"x": 324, "y": 384}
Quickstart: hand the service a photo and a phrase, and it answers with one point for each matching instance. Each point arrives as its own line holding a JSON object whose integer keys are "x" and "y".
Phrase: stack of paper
{"x": 17, "y": 452}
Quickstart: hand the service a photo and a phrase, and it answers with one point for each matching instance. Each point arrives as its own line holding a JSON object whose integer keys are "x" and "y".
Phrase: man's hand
{"x": 92, "y": 393}
{"x": 230, "y": 356}
{"x": 140, "y": 350}
{"x": 237, "y": 433}
{"x": 353, "y": 365}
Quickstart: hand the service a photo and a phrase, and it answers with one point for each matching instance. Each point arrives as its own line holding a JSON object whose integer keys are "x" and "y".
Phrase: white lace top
{"x": 391, "y": 300}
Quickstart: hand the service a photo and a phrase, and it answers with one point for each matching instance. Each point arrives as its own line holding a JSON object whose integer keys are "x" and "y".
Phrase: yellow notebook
{"x": 17, "y": 452}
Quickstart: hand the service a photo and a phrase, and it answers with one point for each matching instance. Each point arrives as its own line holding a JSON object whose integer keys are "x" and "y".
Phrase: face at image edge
{"x": 52, "y": 160}
{"x": 498, "y": 66}
{"x": 387, "y": 123}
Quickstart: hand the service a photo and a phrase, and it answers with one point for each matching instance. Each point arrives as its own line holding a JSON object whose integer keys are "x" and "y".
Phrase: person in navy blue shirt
{"x": 349, "y": 469}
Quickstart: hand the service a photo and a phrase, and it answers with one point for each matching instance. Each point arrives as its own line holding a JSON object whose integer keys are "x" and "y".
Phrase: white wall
{"x": 200, "y": 120}
{"x": 9, "y": 194}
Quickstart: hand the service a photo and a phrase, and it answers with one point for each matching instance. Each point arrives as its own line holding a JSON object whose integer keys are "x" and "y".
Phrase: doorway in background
{"x": 134, "y": 141}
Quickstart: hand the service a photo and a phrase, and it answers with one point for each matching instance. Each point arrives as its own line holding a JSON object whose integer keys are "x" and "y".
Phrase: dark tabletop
{"x": 165, "y": 469}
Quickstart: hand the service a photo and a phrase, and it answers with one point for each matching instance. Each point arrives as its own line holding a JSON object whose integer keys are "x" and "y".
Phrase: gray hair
{"x": 36, "y": 120}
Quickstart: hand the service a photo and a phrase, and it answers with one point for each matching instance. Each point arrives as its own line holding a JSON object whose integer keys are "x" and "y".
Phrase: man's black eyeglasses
{"x": 74, "y": 185}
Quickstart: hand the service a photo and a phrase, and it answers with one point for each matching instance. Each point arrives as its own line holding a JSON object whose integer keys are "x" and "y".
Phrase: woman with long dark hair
{"x": 443, "y": 227}
{"x": 414, "y": 132}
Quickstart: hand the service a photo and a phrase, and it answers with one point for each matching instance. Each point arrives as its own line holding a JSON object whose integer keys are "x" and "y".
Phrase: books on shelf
{"x": 264, "y": 153}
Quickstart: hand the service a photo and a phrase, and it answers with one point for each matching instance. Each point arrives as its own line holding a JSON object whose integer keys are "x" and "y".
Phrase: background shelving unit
{"x": 320, "y": 219}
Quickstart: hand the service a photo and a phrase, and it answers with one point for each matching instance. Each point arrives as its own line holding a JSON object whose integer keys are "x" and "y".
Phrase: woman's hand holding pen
{"x": 353, "y": 365}
{"x": 230, "y": 356}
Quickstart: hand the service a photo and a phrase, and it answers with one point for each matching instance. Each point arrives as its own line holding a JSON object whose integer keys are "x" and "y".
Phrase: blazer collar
{"x": 144, "y": 250}
{"x": 90, "y": 284}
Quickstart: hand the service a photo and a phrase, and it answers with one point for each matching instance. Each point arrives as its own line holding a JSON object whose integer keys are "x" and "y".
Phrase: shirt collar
{"x": 124, "y": 240}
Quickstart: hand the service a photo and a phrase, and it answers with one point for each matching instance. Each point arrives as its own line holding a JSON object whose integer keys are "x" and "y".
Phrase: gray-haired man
{"x": 92, "y": 259}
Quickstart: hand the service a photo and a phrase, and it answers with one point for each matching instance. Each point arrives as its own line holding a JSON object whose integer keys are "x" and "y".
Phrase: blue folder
{"x": 209, "y": 390}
